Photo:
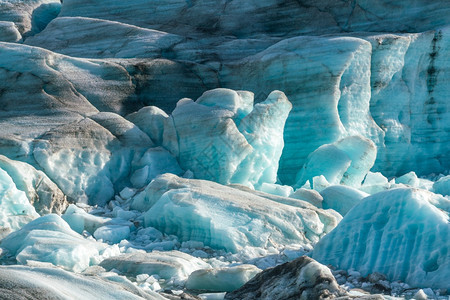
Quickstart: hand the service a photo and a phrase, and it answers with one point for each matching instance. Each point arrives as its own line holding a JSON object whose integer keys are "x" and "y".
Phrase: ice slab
{"x": 50, "y": 239}
{"x": 227, "y": 141}
{"x": 398, "y": 233}
{"x": 54, "y": 283}
{"x": 222, "y": 279}
{"x": 167, "y": 264}
{"x": 227, "y": 218}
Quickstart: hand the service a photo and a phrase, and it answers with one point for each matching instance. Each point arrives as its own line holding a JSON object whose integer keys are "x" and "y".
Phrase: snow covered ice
{"x": 181, "y": 149}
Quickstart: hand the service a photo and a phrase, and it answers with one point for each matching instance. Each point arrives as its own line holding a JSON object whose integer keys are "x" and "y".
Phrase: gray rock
{"x": 303, "y": 278}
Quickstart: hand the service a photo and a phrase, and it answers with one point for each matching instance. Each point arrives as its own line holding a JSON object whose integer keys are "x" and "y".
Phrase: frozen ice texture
{"x": 227, "y": 218}
{"x": 42, "y": 193}
{"x": 112, "y": 233}
{"x": 50, "y": 239}
{"x": 442, "y": 186}
{"x": 228, "y": 141}
{"x": 346, "y": 161}
{"x": 399, "y": 233}
{"x": 167, "y": 264}
{"x": 15, "y": 209}
{"x": 54, "y": 283}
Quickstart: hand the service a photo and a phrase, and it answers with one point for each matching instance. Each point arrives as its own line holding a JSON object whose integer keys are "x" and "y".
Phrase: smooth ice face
{"x": 15, "y": 209}
{"x": 50, "y": 239}
{"x": 346, "y": 161}
{"x": 227, "y": 218}
{"x": 401, "y": 233}
{"x": 341, "y": 198}
{"x": 221, "y": 279}
{"x": 167, "y": 265}
{"x": 227, "y": 141}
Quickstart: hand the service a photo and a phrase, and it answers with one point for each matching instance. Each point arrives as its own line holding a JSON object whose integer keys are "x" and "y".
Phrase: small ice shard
{"x": 50, "y": 239}
{"x": 15, "y": 209}
{"x": 398, "y": 233}
{"x": 374, "y": 183}
{"x": 220, "y": 138}
{"x": 341, "y": 198}
{"x": 302, "y": 278}
{"x": 227, "y": 218}
{"x": 167, "y": 265}
{"x": 346, "y": 161}
{"x": 222, "y": 279}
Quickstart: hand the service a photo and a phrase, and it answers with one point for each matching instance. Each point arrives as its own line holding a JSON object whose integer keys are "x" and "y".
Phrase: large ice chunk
{"x": 15, "y": 209}
{"x": 41, "y": 282}
{"x": 221, "y": 279}
{"x": 228, "y": 218}
{"x": 50, "y": 239}
{"x": 167, "y": 264}
{"x": 401, "y": 233}
{"x": 346, "y": 161}
{"x": 221, "y": 138}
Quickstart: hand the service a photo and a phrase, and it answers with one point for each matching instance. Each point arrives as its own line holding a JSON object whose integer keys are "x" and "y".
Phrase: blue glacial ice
{"x": 15, "y": 209}
{"x": 401, "y": 233}
{"x": 229, "y": 140}
{"x": 167, "y": 265}
{"x": 227, "y": 218}
{"x": 346, "y": 161}
{"x": 50, "y": 239}
{"x": 93, "y": 117}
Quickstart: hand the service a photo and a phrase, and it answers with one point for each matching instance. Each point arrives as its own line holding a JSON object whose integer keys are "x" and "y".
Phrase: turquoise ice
{"x": 402, "y": 233}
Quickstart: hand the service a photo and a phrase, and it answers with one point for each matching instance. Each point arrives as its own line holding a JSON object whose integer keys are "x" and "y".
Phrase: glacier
{"x": 224, "y": 149}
